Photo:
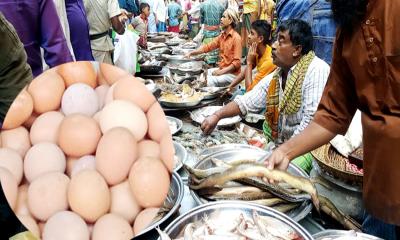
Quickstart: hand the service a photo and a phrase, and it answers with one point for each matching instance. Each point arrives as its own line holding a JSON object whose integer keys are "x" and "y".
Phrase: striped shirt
{"x": 290, "y": 125}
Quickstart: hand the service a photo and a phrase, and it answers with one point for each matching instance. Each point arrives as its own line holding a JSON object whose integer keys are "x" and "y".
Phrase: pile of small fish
{"x": 240, "y": 227}
{"x": 196, "y": 141}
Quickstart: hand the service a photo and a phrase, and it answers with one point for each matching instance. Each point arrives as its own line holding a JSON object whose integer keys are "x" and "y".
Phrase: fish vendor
{"x": 259, "y": 57}
{"x": 229, "y": 45}
{"x": 290, "y": 95}
{"x": 365, "y": 75}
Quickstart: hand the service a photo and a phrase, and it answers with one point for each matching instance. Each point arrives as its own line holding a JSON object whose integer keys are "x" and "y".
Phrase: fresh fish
{"x": 244, "y": 197}
{"x": 162, "y": 234}
{"x": 188, "y": 232}
{"x": 259, "y": 170}
{"x": 203, "y": 173}
{"x": 278, "y": 228}
{"x": 269, "y": 202}
{"x": 284, "y": 208}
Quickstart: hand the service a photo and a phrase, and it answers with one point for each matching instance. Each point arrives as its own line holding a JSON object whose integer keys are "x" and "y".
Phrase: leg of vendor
{"x": 229, "y": 45}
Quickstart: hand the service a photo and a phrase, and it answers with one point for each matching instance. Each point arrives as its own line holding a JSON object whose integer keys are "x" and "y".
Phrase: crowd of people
{"x": 307, "y": 65}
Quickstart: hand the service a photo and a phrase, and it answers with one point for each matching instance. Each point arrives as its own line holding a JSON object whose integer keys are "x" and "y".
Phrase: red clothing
{"x": 173, "y": 29}
{"x": 365, "y": 74}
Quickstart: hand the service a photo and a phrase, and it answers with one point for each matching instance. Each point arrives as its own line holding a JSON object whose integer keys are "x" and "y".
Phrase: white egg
{"x": 80, "y": 98}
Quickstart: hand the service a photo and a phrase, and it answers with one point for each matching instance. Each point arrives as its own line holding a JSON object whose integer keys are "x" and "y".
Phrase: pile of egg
{"x": 86, "y": 153}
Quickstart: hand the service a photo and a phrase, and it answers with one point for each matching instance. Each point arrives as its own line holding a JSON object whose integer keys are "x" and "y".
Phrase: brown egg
{"x": 121, "y": 113}
{"x": 10, "y": 187}
{"x": 149, "y": 148}
{"x": 78, "y": 72}
{"x": 78, "y": 135}
{"x": 16, "y": 139}
{"x": 22, "y": 201}
{"x": 128, "y": 88}
{"x": 112, "y": 226}
{"x": 46, "y": 90}
{"x": 167, "y": 152}
{"x": 30, "y": 224}
{"x": 100, "y": 78}
{"x": 85, "y": 162}
{"x": 101, "y": 92}
{"x": 144, "y": 219}
{"x": 65, "y": 225}
{"x": 12, "y": 161}
{"x": 110, "y": 94}
{"x": 43, "y": 158}
{"x": 123, "y": 202}
{"x": 19, "y": 111}
{"x": 112, "y": 73}
{"x": 46, "y": 127}
{"x": 115, "y": 154}
{"x": 149, "y": 172}
{"x": 88, "y": 195}
{"x": 158, "y": 125}
{"x": 47, "y": 195}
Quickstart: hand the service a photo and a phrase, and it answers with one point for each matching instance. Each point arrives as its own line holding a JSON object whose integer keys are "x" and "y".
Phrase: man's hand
{"x": 252, "y": 55}
{"x": 188, "y": 55}
{"x": 278, "y": 160}
{"x": 208, "y": 125}
{"x": 217, "y": 72}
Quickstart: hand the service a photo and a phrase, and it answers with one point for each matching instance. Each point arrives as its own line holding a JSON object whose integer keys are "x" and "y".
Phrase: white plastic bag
{"x": 125, "y": 52}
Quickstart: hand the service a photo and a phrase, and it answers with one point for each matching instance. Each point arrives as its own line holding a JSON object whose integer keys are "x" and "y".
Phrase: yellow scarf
{"x": 291, "y": 99}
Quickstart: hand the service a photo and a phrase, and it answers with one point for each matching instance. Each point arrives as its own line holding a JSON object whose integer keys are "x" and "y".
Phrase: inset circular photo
{"x": 86, "y": 152}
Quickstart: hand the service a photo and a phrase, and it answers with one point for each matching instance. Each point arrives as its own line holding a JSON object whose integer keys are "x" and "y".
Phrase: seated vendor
{"x": 230, "y": 52}
{"x": 140, "y": 22}
{"x": 259, "y": 57}
{"x": 290, "y": 95}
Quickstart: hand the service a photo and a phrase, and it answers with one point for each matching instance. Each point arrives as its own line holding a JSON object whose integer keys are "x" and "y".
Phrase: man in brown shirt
{"x": 230, "y": 51}
{"x": 365, "y": 75}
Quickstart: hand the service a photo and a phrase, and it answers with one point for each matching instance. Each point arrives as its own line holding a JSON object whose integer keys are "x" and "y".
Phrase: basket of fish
{"x": 233, "y": 220}
{"x": 222, "y": 176}
{"x": 343, "y": 235}
{"x": 200, "y": 114}
{"x": 171, "y": 204}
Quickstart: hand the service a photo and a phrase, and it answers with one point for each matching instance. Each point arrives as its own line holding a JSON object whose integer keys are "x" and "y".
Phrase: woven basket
{"x": 331, "y": 162}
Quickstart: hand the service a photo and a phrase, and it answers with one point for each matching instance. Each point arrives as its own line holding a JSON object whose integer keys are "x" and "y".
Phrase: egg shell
{"x": 65, "y": 225}
{"x": 96, "y": 117}
{"x": 19, "y": 111}
{"x": 46, "y": 127}
{"x": 80, "y": 98}
{"x": 115, "y": 154}
{"x": 144, "y": 219}
{"x": 16, "y": 139}
{"x": 46, "y": 91}
{"x": 43, "y": 158}
{"x": 78, "y": 72}
{"x": 12, "y": 161}
{"x": 110, "y": 94}
{"x": 47, "y": 195}
{"x": 101, "y": 92}
{"x": 111, "y": 73}
{"x": 112, "y": 226}
{"x": 10, "y": 187}
{"x": 70, "y": 164}
{"x": 121, "y": 113}
{"x": 149, "y": 180}
{"x": 85, "y": 162}
{"x": 149, "y": 148}
{"x": 78, "y": 135}
{"x": 30, "y": 224}
{"x": 128, "y": 88}
{"x": 22, "y": 201}
{"x": 88, "y": 195}
{"x": 158, "y": 125}
{"x": 167, "y": 152}
{"x": 28, "y": 123}
{"x": 101, "y": 80}
{"x": 123, "y": 202}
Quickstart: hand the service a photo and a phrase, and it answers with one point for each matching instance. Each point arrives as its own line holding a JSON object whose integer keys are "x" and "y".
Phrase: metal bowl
{"x": 296, "y": 214}
{"x": 178, "y": 122}
{"x": 225, "y": 147}
{"x": 227, "y": 209}
{"x": 200, "y": 114}
{"x": 174, "y": 197}
{"x": 333, "y": 234}
{"x": 180, "y": 104}
{"x": 212, "y": 92}
{"x": 181, "y": 154}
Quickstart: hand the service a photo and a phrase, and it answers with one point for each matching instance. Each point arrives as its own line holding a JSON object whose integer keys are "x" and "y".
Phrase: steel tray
{"x": 333, "y": 234}
{"x": 178, "y": 123}
{"x": 181, "y": 154}
{"x": 200, "y": 114}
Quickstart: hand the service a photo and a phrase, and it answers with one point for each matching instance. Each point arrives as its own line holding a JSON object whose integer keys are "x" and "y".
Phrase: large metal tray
{"x": 174, "y": 197}
{"x": 225, "y": 147}
{"x": 178, "y": 123}
{"x": 212, "y": 92}
{"x": 333, "y": 234}
{"x": 181, "y": 154}
{"x": 252, "y": 153}
{"x": 180, "y": 104}
{"x": 227, "y": 210}
{"x": 200, "y": 114}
